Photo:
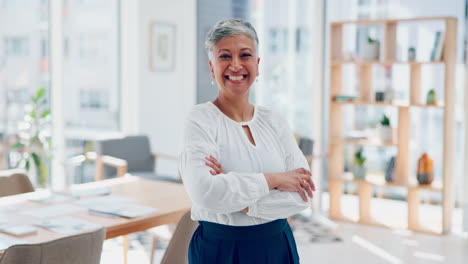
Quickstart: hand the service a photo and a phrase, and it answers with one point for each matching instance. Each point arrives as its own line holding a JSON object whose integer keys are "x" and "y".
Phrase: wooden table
{"x": 169, "y": 198}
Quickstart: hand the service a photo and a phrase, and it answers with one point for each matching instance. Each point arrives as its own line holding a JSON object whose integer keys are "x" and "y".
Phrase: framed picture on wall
{"x": 162, "y": 46}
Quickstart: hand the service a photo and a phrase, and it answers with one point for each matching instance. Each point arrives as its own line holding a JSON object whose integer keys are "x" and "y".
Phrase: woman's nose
{"x": 235, "y": 65}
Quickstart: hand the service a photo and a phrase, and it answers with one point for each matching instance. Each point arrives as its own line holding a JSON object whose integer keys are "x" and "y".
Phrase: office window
{"x": 16, "y": 46}
{"x": 91, "y": 66}
{"x": 91, "y": 76}
{"x": 284, "y": 85}
{"x": 24, "y": 62}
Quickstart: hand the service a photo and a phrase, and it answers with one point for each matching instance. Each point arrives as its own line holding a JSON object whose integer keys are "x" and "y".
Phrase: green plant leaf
{"x": 26, "y": 165}
{"x": 33, "y": 113}
{"x": 36, "y": 159}
{"x": 43, "y": 173}
{"x": 38, "y": 95}
{"x": 385, "y": 121}
{"x": 359, "y": 158}
{"x": 45, "y": 113}
{"x": 17, "y": 145}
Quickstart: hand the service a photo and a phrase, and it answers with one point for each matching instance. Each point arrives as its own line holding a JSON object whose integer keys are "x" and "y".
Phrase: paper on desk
{"x": 51, "y": 198}
{"x": 51, "y": 211}
{"x": 66, "y": 225}
{"x": 127, "y": 210}
{"x": 8, "y": 241}
{"x": 104, "y": 201}
{"x": 18, "y": 230}
{"x": 79, "y": 192}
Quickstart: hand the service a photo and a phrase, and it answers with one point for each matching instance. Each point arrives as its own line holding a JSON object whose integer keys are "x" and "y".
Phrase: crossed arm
{"x": 298, "y": 180}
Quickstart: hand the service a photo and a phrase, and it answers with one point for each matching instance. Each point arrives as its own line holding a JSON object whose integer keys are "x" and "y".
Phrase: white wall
{"x": 165, "y": 97}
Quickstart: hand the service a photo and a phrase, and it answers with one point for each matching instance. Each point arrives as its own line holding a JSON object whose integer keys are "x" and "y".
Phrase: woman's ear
{"x": 211, "y": 69}
{"x": 258, "y": 63}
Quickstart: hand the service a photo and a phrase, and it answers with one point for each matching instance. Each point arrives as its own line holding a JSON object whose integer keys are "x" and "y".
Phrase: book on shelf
{"x": 436, "y": 53}
{"x": 344, "y": 98}
{"x": 389, "y": 172}
{"x": 356, "y": 135}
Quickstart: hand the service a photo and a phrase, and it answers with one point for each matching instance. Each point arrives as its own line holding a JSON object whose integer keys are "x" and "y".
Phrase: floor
{"x": 320, "y": 240}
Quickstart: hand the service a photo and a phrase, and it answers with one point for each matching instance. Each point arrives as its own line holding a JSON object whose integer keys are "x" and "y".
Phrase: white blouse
{"x": 220, "y": 198}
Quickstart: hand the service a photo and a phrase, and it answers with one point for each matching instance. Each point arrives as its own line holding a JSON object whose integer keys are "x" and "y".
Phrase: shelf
{"x": 358, "y": 102}
{"x": 383, "y": 62}
{"x": 376, "y": 179}
{"x": 389, "y": 21}
{"x": 439, "y": 105}
{"x": 368, "y": 142}
{"x": 434, "y": 186}
{"x": 394, "y": 104}
{"x": 416, "y": 218}
{"x": 393, "y": 215}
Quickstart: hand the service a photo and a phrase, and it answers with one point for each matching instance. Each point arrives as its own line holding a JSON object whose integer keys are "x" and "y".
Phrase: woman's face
{"x": 234, "y": 65}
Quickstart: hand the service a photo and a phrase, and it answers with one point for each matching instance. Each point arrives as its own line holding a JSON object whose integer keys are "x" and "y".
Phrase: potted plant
{"x": 34, "y": 139}
{"x": 359, "y": 171}
{"x": 385, "y": 130}
{"x": 431, "y": 98}
{"x": 371, "y": 49}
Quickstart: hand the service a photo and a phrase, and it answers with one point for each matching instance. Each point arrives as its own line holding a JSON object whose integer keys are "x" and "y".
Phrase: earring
{"x": 212, "y": 82}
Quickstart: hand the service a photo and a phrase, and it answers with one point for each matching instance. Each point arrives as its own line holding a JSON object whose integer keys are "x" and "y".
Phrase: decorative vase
{"x": 39, "y": 177}
{"x": 371, "y": 51}
{"x": 385, "y": 133}
{"x": 412, "y": 54}
{"x": 425, "y": 173}
{"x": 359, "y": 172}
{"x": 379, "y": 96}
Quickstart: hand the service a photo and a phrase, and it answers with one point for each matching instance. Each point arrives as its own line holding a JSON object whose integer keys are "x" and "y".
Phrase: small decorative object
{"x": 389, "y": 92}
{"x": 359, "y": 171}
{"x": 425, "y": 173}
{"x": 431, "y": 97}
{"x": 345, "y": 98}
{"x": 411, "y": 54}
{"x": 34, "y": 140}
{"x": 385, "y": 130}
{"x": 162, "y": 46}
{"x": 379, "y": 96}
{"x": 389, "y": 172}
{"x": 438, "y": 47}
{"x": 371, "y": 49}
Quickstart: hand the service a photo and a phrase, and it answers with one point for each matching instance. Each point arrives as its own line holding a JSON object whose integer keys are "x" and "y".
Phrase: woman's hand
{"x": 214, "y": 164}
{"x": 298, "y": 180}
{"x": 218, "y": 169}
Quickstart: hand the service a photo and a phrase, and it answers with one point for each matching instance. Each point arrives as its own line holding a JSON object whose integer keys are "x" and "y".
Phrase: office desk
{"x": 169, "y": 198}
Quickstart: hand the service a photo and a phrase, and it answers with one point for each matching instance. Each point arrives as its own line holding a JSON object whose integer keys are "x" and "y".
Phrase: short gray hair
{"x": 227, "y": 28}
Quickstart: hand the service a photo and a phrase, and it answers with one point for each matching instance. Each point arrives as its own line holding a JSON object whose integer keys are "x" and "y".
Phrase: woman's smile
{"x": 236, "y": 78}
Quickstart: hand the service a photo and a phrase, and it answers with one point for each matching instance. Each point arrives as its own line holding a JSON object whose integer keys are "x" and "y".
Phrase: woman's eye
{"x": 246, "y": 55}
{"x": 224, "y": 56}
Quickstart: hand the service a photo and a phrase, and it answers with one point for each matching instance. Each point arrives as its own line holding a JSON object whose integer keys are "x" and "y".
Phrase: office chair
{"x": 78, "y": 249}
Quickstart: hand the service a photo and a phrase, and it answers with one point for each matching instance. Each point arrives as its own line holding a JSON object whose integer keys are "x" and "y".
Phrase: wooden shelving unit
{"x": 404, "y": 178}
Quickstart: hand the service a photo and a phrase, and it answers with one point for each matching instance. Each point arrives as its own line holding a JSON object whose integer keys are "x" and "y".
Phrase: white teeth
{"x": 236, "y": 78}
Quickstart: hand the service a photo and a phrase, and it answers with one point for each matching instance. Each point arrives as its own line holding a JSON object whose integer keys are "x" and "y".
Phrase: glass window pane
{"x": 24, "y": 64}
{"x": 91, "y": 77}
{"x": 91, "y": 65}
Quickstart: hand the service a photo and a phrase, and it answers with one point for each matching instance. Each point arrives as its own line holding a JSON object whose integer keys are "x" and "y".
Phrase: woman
{"x": 240, "y": 163}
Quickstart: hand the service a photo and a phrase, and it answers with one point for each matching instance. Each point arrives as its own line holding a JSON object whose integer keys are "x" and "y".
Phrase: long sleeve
{"x": 222, "y": 193}
{"x": 281, "y": 204}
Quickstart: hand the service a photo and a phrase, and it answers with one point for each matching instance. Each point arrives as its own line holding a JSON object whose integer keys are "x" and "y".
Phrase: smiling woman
{"x": 240, "y": 163}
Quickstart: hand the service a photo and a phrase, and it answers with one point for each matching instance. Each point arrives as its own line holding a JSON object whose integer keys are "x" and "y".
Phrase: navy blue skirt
{"x": 270, "y": 243}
